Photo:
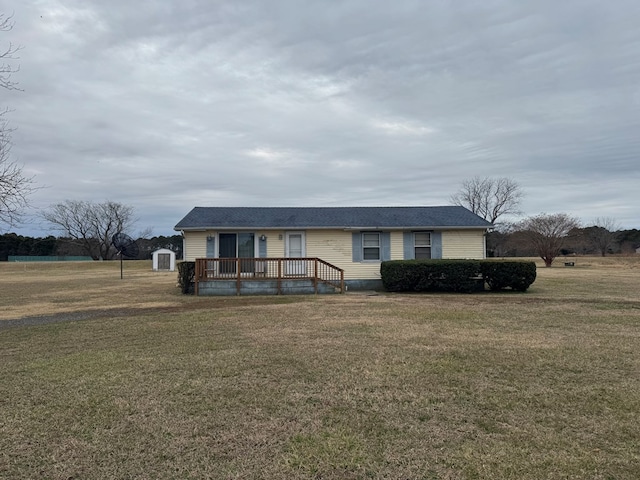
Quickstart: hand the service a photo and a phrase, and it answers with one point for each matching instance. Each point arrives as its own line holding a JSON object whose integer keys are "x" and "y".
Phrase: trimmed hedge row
{"x": 456, "y": 275}
{"x": 186, "y": 276}
{"x": 508, "y": 274}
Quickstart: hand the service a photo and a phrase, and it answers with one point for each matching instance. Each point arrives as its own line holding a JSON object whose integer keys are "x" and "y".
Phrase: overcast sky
{"x": 167, "y": 105}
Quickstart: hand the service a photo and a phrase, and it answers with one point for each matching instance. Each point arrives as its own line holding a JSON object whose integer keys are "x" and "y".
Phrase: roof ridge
{"x": 337, "y": 207}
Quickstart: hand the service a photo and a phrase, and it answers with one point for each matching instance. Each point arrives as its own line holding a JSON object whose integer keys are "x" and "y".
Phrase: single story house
{"x": 353, "y": 239}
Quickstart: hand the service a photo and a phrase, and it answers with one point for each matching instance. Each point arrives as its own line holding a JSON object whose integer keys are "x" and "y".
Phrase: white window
{"x": 422, "y": 245}
{"x": 371, "y": 246}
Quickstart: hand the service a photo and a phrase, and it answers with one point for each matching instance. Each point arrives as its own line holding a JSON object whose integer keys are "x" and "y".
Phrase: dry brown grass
{"x": 544, "y": 384}
{"x": 46, "y": 288}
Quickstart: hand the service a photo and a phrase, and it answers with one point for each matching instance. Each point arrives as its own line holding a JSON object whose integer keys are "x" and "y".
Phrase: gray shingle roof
{"x": 329, "y": 217}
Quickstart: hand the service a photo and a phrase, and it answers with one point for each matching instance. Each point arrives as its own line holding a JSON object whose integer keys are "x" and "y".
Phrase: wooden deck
{"x": 280, "y": 270}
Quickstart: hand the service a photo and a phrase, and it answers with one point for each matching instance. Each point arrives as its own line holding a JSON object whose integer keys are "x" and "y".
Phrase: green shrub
{"x": 186, "y": 276}
{"x": 400, "y": 275}
{"x": 431, "y": 275}
{"x": 456, "y": 275}
{"x": 516, "y": 275}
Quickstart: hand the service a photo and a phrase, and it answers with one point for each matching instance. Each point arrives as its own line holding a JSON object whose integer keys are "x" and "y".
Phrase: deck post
{"x": 279, "y": 276}
{"x": 196, "y": 278}
{"x": 341, "y": 281}
{"x": 315, "y": 275}
{"x": 238, "y": 276}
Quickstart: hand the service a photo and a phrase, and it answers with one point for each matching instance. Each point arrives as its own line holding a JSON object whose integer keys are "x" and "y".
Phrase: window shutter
{"x": 262, "y": 248}
{"x": 385, "y": 247}
{"x": 211, "y": 246}
{"x": 356, "y": 247}
{"x": 407, "y": 243}
{"x": 436, "y": 244}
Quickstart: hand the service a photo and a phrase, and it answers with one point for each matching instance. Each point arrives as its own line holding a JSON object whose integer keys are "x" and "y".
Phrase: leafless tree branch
{"x": 91, "y": 225}
{"x": 602, "y": 235}
{"x": 548, "y": 233}
{"x": 7, "y": 70}
{"x": 490, "y": 198}
{"x": 15, "y": 186}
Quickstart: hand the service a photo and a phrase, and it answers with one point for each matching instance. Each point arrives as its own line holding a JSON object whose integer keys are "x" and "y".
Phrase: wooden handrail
{"x": 239, "y": 269}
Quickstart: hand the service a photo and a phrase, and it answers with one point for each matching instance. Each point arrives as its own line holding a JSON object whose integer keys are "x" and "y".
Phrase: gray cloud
{"x": 168, "y": 105}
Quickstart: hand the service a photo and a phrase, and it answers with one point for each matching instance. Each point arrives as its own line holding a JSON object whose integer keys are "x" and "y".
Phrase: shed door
{"x": 164, "y": 261}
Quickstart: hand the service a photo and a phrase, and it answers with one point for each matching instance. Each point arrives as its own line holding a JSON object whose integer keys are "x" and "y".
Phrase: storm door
{"x": 295, "y": 248}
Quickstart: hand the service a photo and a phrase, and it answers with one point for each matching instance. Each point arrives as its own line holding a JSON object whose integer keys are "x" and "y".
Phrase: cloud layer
{"x": 169, "y": 105}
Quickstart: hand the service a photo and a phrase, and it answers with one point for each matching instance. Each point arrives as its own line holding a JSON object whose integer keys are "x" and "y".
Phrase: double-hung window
{"x": 371, "y": 246}
{"x": 422, "y": 245}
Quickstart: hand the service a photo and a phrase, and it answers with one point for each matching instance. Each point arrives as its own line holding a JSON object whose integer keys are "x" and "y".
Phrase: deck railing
{"x": 242, "y": 269}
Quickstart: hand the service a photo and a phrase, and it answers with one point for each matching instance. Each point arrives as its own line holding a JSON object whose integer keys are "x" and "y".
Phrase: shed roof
{"x": 163, "y": 250}
{"x": 202, "y": 218}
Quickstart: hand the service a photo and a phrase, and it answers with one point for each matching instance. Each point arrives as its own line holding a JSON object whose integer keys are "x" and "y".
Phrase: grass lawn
{"x": 148, "y": 383}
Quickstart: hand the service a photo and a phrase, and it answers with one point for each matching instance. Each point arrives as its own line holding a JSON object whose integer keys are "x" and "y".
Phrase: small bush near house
{"x": 464, "y": 276}
{"x": 186, "y": 276}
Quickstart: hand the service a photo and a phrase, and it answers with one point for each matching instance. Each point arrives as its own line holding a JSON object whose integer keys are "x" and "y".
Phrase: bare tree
{"x": 91, "y": 225}
{"x": 15, "y": 186}
{"x": 603, "y": 234}
{"x": 6, "y": 69}
{"x": 547, "y": 233}
{"x": 490, "y": 198}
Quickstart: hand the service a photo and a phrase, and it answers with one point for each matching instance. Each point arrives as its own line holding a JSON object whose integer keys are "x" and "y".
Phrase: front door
{"x": 294, "y": 247}
{"x": 228, "y": 249}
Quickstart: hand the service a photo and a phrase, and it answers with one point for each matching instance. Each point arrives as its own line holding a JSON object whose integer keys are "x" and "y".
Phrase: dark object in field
{"x": 126, "y": 247}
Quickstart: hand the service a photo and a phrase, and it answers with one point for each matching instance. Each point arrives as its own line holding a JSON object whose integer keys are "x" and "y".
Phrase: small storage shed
{"x": 164, "y": 260}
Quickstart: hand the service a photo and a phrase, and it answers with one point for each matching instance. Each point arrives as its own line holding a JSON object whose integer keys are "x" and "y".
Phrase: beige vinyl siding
{"x": 195, "y": 244}
{"x": 335, "y": 247}
{"x": 275, "y": 243}
{"x": 463, "y": 244}
{"x": 397, "y": 245}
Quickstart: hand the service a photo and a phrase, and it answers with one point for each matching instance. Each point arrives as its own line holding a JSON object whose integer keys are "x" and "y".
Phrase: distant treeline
{"x": 13, "y": 244}
{"x": 580, "y": 241}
